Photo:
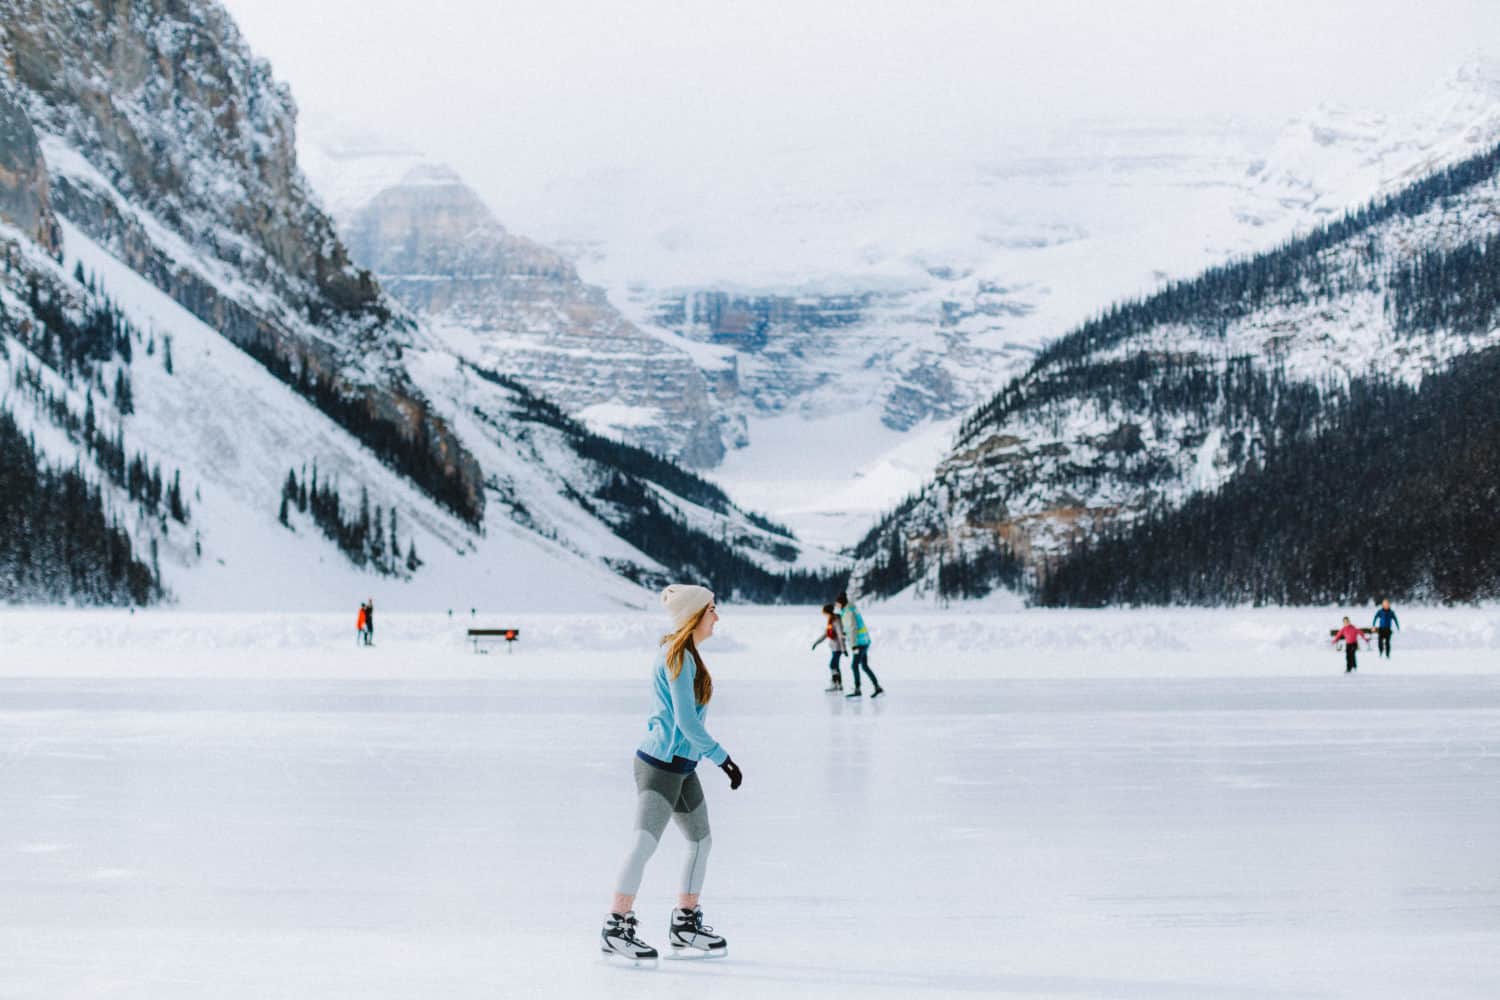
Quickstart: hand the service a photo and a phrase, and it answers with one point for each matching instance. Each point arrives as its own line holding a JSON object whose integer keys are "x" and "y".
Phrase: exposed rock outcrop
{"x": 24, "y": 201}
{"x": 523, "y": 309}
{"x": 169, "y": 143}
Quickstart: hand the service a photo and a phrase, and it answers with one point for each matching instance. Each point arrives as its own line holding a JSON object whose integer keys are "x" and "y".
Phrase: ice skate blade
{"x": 615, "y": 958}
{"x": 685, "y": 953}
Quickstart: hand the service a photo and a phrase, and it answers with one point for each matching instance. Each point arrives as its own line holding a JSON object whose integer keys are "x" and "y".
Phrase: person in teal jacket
{"x": 667, "y": 785}
{"x": 857, "y": 638}
{"x": 1384, "y": 619}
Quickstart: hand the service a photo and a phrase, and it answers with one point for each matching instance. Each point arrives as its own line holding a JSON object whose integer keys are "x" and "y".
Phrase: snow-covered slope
{"x": 1172, "y": 394}
{"x": 1336, "y": 156}
{"x": 236, "y": 432}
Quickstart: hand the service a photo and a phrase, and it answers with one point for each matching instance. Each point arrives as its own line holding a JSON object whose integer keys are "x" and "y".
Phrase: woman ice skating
{"x": 1349, "y": 636}
{"x": 857, "y": 638}
{"x": 370, "y": 622}
{"x": 1384, "y": 619}
{"x": 834, "y": 633}
{"x": 667, "y": 784}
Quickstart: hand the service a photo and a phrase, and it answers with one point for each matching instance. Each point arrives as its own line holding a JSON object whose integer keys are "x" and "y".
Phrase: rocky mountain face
{"x": 916, "y": 360}
{"x": 24, "y": 199}
{"x": 1177, "y": 393}
{"x": 521, "y": 308}
{"x": 169, "y": 143}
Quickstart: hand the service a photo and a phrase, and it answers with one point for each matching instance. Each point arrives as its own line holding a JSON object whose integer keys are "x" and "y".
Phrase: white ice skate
{"x": 690, "y": 938}
{"x": 618, "y": 940}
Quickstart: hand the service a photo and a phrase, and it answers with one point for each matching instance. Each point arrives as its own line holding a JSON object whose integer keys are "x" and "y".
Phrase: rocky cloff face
{"x": 23, "y": 176}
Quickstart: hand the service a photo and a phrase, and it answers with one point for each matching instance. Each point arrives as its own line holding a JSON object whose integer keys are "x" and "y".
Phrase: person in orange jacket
{"x": 1349, "y": 636}
{"x": 359, "y": 625}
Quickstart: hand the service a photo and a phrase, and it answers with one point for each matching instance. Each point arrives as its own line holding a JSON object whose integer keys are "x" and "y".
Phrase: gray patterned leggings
{"x": 662, "y": 795}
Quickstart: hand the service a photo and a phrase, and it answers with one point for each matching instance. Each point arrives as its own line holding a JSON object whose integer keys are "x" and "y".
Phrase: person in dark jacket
{"x": 1349, "y": 636}
{"x": 1385, "y": 619}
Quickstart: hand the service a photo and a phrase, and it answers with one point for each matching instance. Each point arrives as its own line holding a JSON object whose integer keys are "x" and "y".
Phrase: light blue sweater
{"x": 675, "y": 729}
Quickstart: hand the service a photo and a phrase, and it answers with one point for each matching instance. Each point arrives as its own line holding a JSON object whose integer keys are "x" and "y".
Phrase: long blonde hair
{"x": 680, "y": 642}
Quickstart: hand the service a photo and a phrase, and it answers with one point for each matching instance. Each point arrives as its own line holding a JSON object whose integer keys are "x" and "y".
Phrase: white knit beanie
{"x": 684, "y": 600}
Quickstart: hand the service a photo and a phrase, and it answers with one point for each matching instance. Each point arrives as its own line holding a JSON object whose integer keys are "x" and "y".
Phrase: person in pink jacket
{"x": 1349, "y": 636}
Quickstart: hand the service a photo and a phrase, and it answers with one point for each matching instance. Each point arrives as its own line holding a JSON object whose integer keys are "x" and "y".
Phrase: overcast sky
{"x": 510, "y": 91}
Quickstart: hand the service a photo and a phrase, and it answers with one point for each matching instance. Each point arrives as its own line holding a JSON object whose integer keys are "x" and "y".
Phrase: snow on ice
{"x": 1180, "y": 804}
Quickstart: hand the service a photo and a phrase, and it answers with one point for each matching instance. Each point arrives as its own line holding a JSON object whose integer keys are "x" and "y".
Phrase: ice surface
{"x": 1047, "y": 804}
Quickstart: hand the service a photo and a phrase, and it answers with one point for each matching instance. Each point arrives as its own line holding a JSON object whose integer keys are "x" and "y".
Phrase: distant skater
{"x": 1385, "y": 618}
{"x": 857, "y": 638}
{"x": 359, "y": 625}
{"x": 370, "y": 622}
{"x": 667, "y": 784}
{"x": 834, "y": 633}
{"x": 1349, "y": 636}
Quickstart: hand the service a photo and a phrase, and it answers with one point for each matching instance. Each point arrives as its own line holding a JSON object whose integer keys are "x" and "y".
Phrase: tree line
{"x": 405, "y": 453}
{"x": 369, "y": 538}
{"x": 640, "y": 518}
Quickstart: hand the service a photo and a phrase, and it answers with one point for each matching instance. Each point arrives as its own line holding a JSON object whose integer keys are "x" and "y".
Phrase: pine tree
{"x": 174, "y": 499}
{"x": 124, "y": 398}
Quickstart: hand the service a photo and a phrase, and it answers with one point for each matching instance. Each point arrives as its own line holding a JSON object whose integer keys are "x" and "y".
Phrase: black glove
{"x": 733, "y": 770}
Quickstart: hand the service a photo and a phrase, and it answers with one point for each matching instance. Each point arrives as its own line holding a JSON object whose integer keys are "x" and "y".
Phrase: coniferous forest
{"x": 58, "y": 543}
{"x": 61, "y": 540}
{"x": 626, "y": 500}
{"x": 1347, "y": 489}
{"x": 369, "y": 538}
{"x": 1398, "y": 497}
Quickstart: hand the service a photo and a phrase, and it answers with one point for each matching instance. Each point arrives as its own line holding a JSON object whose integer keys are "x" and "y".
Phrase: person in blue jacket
{"x": 857, "y": 638}
{"x": 1385, "y": 619}
{"x": 667, "y": 785}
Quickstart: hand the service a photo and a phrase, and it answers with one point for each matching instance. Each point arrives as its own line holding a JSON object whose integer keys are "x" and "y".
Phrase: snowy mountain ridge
{"x": 885, "y": 301}
{"x": 1174, "y": 394}
{"x": 1334, "y": 157}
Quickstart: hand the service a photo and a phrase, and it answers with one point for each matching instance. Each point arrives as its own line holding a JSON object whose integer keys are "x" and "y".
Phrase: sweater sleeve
{"x": 685, "y": 713}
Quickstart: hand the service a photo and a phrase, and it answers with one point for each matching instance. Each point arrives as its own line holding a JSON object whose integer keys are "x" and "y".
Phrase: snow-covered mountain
{"x": 1176, "y": 393}
{"x": 1335, "y": 157}
{"x": 175, "y": 309}
{"x": 521, "y": 309}
{"x": 865, "y": 320}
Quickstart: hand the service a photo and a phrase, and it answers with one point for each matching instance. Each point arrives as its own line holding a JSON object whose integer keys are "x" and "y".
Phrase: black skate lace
{"x": 695, "y": 920}
{"x": 626, "y": 926}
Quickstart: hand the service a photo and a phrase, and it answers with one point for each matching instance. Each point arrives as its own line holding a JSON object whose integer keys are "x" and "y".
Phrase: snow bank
{"x": 753, "y": 644}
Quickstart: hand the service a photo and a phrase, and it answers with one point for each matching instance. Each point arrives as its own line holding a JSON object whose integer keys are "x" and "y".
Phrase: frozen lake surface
{"x": 1119, "y": 804}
